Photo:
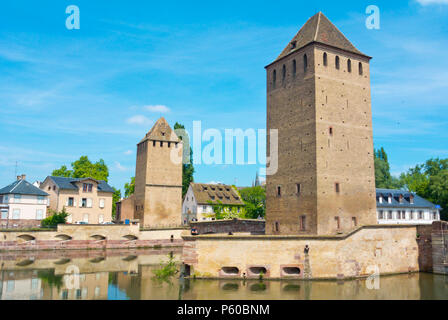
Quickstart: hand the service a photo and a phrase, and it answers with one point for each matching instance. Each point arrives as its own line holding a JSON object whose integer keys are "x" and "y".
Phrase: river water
{"x": 129, "y": 274}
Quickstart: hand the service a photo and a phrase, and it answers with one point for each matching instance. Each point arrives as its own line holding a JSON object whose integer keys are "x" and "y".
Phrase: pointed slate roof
{"x": 419, "y": 202}
{"x": 22, "y": 187}
{"x": 161, "y": 131}
{"x": 319, "y": 29}
{"x": 64, "y": 183}
{"x": 216, "y": 193}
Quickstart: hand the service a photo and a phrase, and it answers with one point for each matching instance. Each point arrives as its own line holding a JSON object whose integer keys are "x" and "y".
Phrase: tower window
{"x": 336, "y": 62}
{"x": 293, "y": 44}
{"x": 360, "y": 68}
{"x": 153, "y": 143}
{"x": 354, "y": 221}
{"x": 338, "y": 223}
{"x": 298, "y": 188}
{"x": 294, "y": 67}
{"x": 330, "y": 131}
{"x": 302, "y": 222}
{"x": 305, "y": 63}
{"x": 279, "y": 191}
{"x": 277, "y": 227}
{"x": 325, "y": 59}
{"x": 161, "y": 143}
{"x": 337, "y": 187}
{"x": 283, "y": 73}
{"x": 274, "y": 77}
{"x": 349, "y": 65}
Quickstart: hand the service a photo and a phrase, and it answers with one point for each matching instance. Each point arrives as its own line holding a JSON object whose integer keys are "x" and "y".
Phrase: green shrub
{"x": 55, "y": 219}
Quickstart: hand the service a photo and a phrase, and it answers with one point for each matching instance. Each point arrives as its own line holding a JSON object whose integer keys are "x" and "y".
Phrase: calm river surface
{"x": 128, "y": 274}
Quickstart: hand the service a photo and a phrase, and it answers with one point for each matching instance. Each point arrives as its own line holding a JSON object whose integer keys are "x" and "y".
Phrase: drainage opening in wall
{"x": 256, "y": 271}
{"x": 291, "y": 271}
{"x": 230, "y": 271}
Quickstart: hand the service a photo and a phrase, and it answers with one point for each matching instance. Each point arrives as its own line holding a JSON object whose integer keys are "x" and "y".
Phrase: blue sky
{"x": 66, "y": 93}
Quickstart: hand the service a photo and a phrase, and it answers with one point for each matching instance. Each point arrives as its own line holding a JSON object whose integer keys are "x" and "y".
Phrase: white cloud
{"x": 157, "y": 108}
{"x": 139, "y": 119}
{"x": 428, "y": 2}
{"x": 128, "y": 152}
{"x": 120, "y": 167}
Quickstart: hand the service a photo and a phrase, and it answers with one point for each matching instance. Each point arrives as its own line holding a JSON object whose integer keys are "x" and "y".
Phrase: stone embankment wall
{"x": 386, "y": 249}
{"x": 440, "y": 247}
{"x": 249, "y": 226}
{"x": 90, "y": 237}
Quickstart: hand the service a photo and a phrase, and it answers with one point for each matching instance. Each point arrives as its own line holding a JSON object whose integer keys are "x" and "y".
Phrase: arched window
{"x": 274, "y": 77}
{"x": 336, "y": 62}
{"x": 305, "y": 63}
{"x": 283, "y": 73}
{"x": 325, "y": 59}
{"x": 349, "y": 65}
{"x": 360, "y": 68}
{"x": 294, "y": 67}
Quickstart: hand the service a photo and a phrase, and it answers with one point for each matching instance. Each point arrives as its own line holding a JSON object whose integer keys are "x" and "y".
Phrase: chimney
{"x": 23, "y": 176}
{"x": 19, "y": 178}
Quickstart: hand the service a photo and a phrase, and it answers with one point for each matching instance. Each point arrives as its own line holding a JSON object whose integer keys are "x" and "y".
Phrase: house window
{"x": 302, "y": 223}
{"x": 411, "y": 215}
{"x": 204, "y": 208}
{"x": 84, "y": 202}
{"x": 389, "y": 215}
{"x": 4, "y": 214}
{"x": 420, "y": 215}
{"x": 338, "y": 223}
{"x": 336, "y": 62}
{"x": 101, "y": 203}
{"x": 294, "y": 67}
{"x": 86, "y": 218}
{"x": 349, "y": 65}
{"x": 6, "y": 199}
{"x": 325, "y": 59}
{"x": 87, "y": 187}
{"x": 40, "y": 199}
{"x": 337, "y": 187}
{"x": 279, "y": 191}
{"x": 380, "y": 215}
{"x": 298, "y": 188}
{"x": 403, "y": 215}
{"x": 64, "y": 294}
{"x": 39, "y": 214}
{"x": 16, "y": 214}
{"x": 71, "y": 202}
{"x": 17, "y": 198}
{"x": 354, "y": 221}
{"x": 360, "y": 68}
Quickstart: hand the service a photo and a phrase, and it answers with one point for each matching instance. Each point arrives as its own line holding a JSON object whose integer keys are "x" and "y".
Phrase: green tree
{"x": 55, "y": 218}
{"x": 255, "y": 201}
{"x": 187, "y": 168}
{"x": 225, "y": 211}
{"x": 383, "y": 178}
{"x": 84, "y": 168}
{"x": 430, "y": 181}
{"x": 129, "y": 187}
{"x": 115, "y": 198}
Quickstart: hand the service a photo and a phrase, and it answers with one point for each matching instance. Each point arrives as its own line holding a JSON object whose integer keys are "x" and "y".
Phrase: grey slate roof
{"x": 22, "y": 187}
{"x": 419, "y": 202}
{"x": 64, "y": 183}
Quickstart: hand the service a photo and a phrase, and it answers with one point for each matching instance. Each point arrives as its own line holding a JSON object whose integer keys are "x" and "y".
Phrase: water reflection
{"x": 128, "y": 274}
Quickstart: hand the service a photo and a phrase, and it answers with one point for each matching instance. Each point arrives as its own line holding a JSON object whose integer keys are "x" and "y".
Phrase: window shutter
{"x": 74, "y": 202}
{"x": 89, "y": 203}
{"x": 66, "y": 202}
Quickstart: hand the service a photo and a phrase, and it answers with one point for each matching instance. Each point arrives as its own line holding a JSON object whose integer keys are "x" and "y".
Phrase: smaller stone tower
{"x": 158, "y": 177}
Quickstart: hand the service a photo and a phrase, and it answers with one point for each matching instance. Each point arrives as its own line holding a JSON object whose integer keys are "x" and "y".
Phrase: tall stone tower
{"x": 318, "y": 97}
{"x": 158, "y": 177}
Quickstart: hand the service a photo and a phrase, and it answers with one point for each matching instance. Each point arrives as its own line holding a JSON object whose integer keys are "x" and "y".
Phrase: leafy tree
{"x": 55, "y": 219}
{"x": 84, "y": 168}
{"x": 115, "y": 198}
{"x": 187, "y": 168}
{"x": 129, "y": 187}
{"x": 383, "y": 178}
{"x": 255, "y": 201}
{"x": 225, "y": 211}
{"x": 430, "y": 181}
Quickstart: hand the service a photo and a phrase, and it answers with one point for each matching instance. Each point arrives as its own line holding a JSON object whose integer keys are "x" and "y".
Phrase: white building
{"x": 403, "y": 207}
{"x": 200, "y": 198}
{"x": 22, "y": 204}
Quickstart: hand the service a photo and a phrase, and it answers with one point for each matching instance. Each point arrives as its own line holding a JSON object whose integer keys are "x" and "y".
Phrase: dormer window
{"x": 380, "y": 199}
{"x": 389, "y": 199}
{"x": 400, "y": 198}
{"x": 293, "y": 44}
{"x": 411, "y": 199}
